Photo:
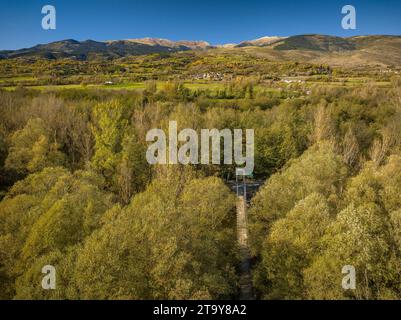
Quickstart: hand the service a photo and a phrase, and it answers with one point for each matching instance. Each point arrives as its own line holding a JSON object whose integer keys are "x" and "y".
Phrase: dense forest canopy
{"x": 78, "y": 193}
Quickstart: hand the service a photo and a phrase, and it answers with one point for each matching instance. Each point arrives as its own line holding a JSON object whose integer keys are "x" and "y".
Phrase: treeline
{"x": 168, "y": 243}
{"x": 337, "y": 205}
{"x": 78, "y": 193}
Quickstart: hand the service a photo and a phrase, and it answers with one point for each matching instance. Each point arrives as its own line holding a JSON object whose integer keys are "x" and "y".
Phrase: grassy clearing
{"x": 212, "y": 86}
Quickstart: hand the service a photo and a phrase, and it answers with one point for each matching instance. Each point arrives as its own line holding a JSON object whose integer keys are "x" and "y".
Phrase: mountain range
{"x": 113, "y": 49}
{"x": 385, "y": 49}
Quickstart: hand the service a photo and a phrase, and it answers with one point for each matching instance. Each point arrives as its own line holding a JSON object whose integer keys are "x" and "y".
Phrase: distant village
{"x": 214, "y": 76}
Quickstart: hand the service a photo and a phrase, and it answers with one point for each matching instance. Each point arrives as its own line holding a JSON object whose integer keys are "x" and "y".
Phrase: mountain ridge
{"x": 308, "y": 43}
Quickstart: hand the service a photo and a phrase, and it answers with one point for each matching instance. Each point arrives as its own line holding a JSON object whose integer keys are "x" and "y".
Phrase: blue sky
{"x": 218, "y": 21}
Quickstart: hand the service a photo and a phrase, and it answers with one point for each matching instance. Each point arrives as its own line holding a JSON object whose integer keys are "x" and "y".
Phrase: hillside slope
{"x": 375, "y": 50}
{"x": 112, "y": 49}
